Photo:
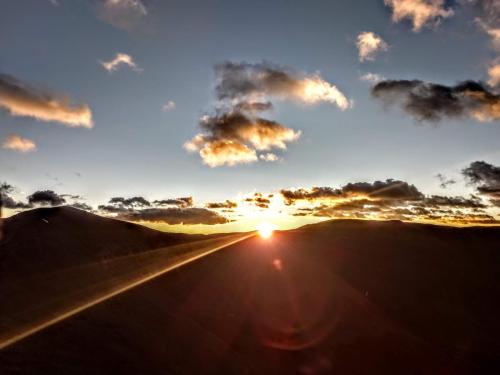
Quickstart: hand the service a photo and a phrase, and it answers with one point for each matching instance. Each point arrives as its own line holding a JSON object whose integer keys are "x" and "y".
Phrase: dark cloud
{"x": 253, "y": 107}
{"x": 227, "y": 204}
{"x": 444, "y": 182}
{"x": 394, "y": 200}
{"x": 315, "y": 193}
{"x": 132, "y": 202}
{"x": 118, "y": 205}
{"x": 181, "y": 202}
{"x": 175, "y": 215}
{"x": 6, "y": 201}
{"x": 259, "y": 200}
{"x": 113, "y": 209}
{"x": 389, "y": 189}
{"x": 72, "y": 196}
{"x": 46, "y": 197}
{"x": 438, "y": 200}
{"x": 432, "y": 102}
{"x": 485, "y": 176}
{"x": 82, "y": 206}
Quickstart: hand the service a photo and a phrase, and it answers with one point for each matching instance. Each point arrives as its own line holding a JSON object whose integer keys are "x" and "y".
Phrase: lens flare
{"x": 265, "y": 230}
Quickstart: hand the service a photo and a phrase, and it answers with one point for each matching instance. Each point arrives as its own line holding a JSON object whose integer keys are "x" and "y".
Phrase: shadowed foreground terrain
{"x": 341, "y": 297}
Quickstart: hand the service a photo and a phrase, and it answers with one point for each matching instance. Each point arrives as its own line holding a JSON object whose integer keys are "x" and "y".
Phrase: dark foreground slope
{"x": 345, "y": 297}
{"x": 46, "y": 239}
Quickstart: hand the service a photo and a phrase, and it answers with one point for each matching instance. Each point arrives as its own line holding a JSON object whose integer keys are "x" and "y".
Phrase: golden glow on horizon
{"x": 265, "y": 230}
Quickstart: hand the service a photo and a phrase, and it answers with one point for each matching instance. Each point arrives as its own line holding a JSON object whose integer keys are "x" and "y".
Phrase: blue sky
{"x": 136, "y": 148}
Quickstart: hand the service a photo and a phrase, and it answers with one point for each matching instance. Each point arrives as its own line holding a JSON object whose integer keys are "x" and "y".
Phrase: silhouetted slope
{"x": 51, "y": 238}
{"x": 340, "y": 297}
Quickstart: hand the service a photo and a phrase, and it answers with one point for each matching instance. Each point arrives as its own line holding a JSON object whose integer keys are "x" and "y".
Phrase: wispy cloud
{"x": 17, "y": 143}
{"x": 122, "y": 14}
{"x": 369, "y": 45}
{"x": 169, "y": 106}
{"x": 20, "y": 99}
{"x": 420, "y": 12}
{"x": 371, "y": 77}
{"x": 119, "y": 60}
{"x": 269, "y": 157}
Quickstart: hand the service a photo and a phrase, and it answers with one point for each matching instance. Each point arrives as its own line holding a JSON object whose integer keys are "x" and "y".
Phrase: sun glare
{"x": 265, "y": 230}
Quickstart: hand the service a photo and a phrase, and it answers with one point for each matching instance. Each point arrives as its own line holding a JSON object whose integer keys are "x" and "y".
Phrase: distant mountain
{"x": 47, "y": 239}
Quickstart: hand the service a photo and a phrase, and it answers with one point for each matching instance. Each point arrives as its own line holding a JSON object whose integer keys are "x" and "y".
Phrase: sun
{"x": 265, "y": 230}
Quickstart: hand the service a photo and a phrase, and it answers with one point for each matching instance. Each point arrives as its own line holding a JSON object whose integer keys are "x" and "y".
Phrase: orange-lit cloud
{"x": 219, "y": 152}
{"x": 420, "y": 12}
{"x": 17, "y": 143}
{"x": 494, "y": 75}
{"x": 387, "y": 200}
{"x": 369, "y": 45}
{"x": 20, "y": 99}
{"x": 118, "y": 60}
{"x": 231, "y": 138}
{"x": 246, "y": 81}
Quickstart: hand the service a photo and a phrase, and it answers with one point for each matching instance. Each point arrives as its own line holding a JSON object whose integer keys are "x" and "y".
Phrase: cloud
{"x": 6, "y": 201}
{"x": 46, "y": 197}
{"x": 82, "y": 206}
{"x": 118, "y": 60}
{"x": 387, "y": 200}
{"x": 420, "y": 12}
{"x": 19, "y": 99}
{"x": 121, "y": 204}
{"x": 244, "y": 81}
{"x": 181, "y": 202}
{"x": 269, "y": 157}
{"x": 369, "y": 45}
{"x": 488, "y": 19}
{"x": 253, "y": 107}
{"x": 389, "y": 189}
{"x": 485, "y": 176}
{"x": 235, "y": 133}
{"x": 444, "y": 182}
{"x": 216, "y": 153}
{"x": 122, "y": 14}
{"x": 439, "y": 200}
{"x": 259, "y": 200}
{"x": 168, "y": 106}
{"x": 226, "y": 204}
{"x": 175, "y": 215}
{"x": 17, "y": 143}
{"x": 230, "y": 138}
{"x": 141, "y": 209}
{"x": 432, "y": 102}
{"x": 494, "y": 75}
{"x": 371, "y": 77}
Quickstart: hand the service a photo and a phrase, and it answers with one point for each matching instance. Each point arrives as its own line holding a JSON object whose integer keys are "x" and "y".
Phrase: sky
{"x": 248, "y": 102}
